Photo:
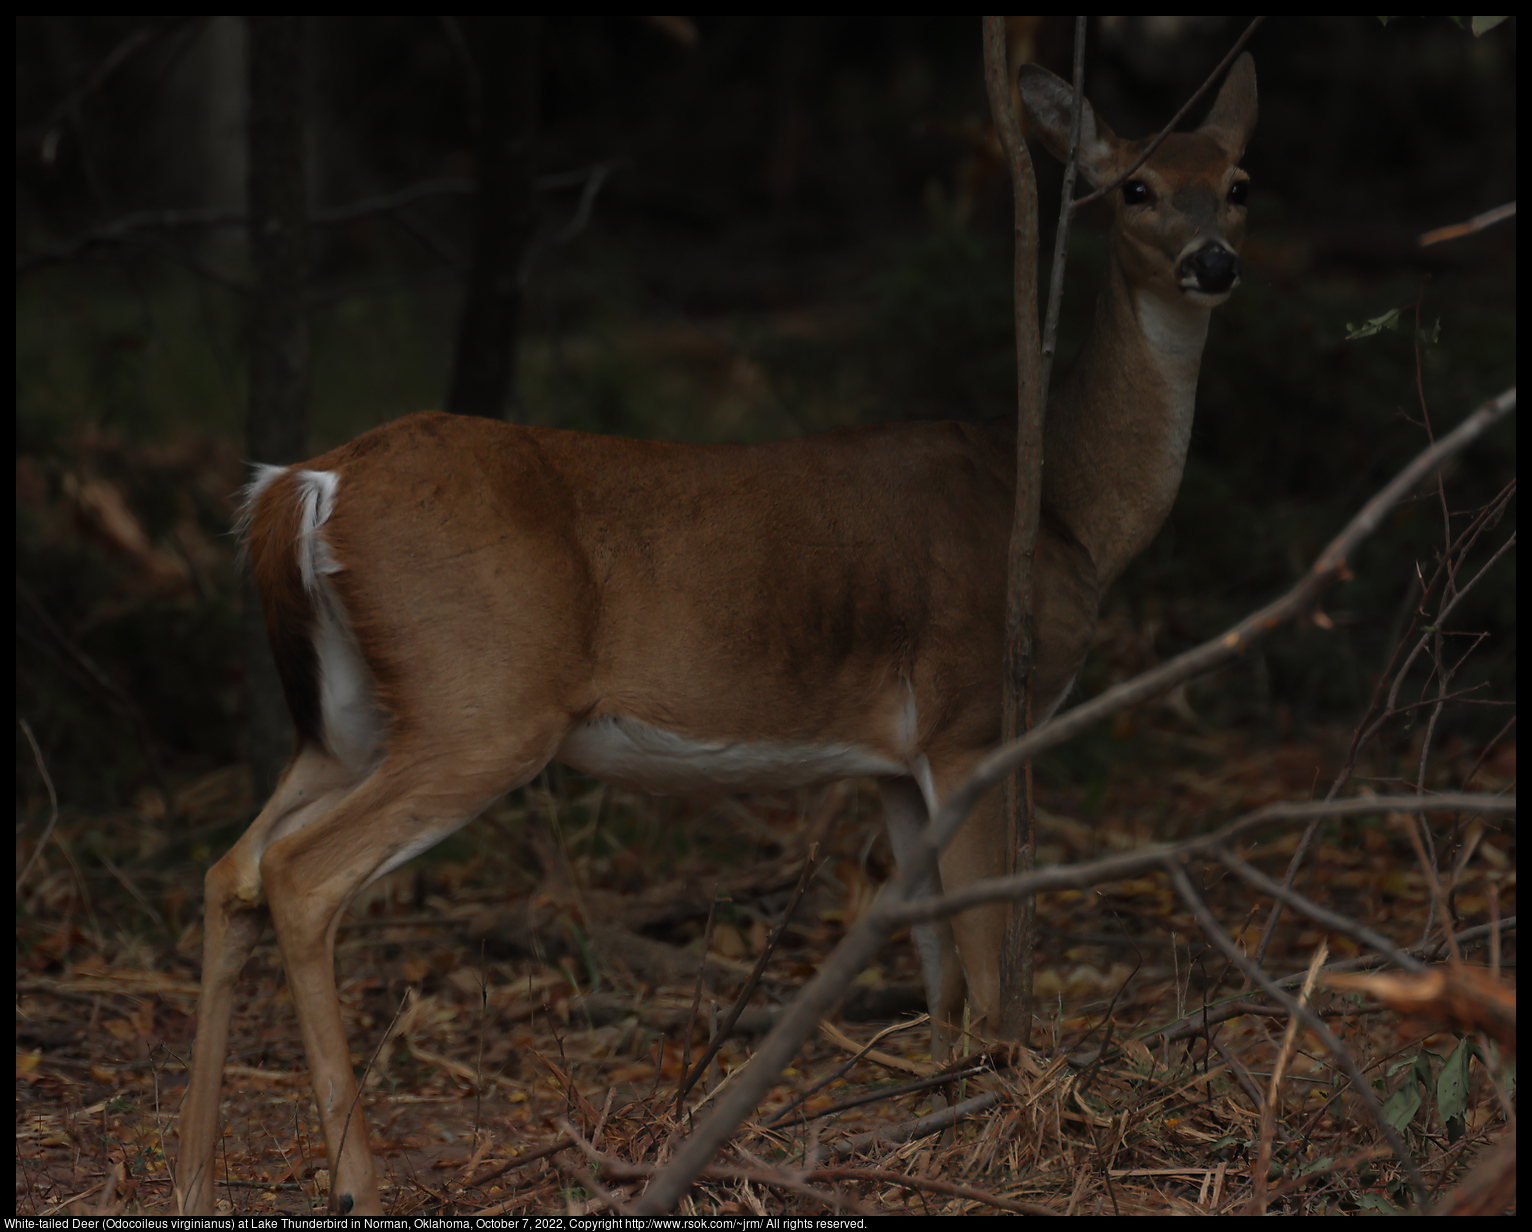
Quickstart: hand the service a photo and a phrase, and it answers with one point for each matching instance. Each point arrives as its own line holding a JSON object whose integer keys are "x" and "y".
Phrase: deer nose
{"x": 1212, "y": 269}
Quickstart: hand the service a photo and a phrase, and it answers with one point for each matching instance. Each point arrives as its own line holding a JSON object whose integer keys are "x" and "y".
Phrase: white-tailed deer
{"x": 453, "y": 602}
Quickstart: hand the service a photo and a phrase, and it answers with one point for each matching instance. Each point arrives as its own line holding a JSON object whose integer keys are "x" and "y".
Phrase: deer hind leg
{"x": 415, "y": 798}
{"x": 234, "y": 915}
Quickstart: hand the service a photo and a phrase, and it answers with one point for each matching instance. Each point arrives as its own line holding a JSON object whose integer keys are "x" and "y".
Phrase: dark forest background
{"x": 741, "y": 229}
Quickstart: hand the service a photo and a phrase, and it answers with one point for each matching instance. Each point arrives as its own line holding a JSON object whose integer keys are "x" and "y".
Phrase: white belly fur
{"x": 631, "y": 753}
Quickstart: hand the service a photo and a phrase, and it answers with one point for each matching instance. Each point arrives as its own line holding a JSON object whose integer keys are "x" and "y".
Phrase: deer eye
{"x": 1135, "y": 192}
{"x": 1239, "y": 192}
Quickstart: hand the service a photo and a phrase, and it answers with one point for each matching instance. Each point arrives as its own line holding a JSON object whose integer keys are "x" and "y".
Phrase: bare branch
{"x": 1131, "y": 863}
{"x": 138, "y": 228}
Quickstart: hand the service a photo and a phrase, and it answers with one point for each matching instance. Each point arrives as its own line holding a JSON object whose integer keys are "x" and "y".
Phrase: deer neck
{"x": 1117, "y": 428}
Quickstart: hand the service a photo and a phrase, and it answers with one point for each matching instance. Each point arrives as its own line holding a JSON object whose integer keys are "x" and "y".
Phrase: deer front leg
{"x": 906, "y": 815}
{"x": 976, "y": 852}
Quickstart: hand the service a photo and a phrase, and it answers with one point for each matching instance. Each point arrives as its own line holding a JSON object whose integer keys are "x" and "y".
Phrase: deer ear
{"x": 1048, "y": 107}
{"x": 1232, "y": 117}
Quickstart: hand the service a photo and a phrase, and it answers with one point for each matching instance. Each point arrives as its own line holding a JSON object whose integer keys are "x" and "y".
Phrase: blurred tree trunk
{"x": 275, "y": 425}
{"x": 505, "y": 59}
